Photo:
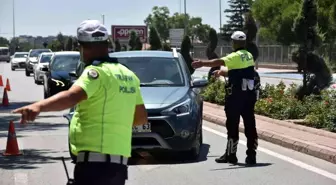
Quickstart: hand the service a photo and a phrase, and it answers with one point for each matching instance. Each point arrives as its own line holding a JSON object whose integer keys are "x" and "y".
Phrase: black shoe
{"x": 227, "y": 159}
{"x": 251, "y": 160}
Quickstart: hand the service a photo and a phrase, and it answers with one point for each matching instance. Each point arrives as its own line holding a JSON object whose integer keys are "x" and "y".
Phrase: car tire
{"x": 27, "y": 73}
{"x": 194, "y": 153}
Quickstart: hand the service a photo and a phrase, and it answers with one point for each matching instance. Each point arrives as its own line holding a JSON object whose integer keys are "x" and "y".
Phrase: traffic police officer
{"x": 109, "y": 102}
{"x": 240, "y": 98}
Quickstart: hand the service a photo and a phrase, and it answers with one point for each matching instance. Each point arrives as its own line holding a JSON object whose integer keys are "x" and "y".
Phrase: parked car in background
{"x": 42, "y": 61}
{"x": 172, "y": 100}
{"x": 4, "y": 54}
{"x": 57, "y": 78}
{"x": 32, "y": 59}
{"x": 18, "y": 60}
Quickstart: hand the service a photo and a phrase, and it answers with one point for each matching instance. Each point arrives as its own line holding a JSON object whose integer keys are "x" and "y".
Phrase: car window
{"x": 20, "y": 55}
{"x": 4, "y": 51}
{"x": 155, "y": 70}
{"x": 36, "y": 53}
{"x": 45, "y": 58}
{"x": 64, "y": 63}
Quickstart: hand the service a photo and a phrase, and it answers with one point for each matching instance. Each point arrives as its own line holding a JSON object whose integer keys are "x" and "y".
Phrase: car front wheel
{"x": 27, "y": 73}
{"x": 194, "y": 153}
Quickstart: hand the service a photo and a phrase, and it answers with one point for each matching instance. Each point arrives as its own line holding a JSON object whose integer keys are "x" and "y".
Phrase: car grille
{"x": 162, "y": 128}
{"x": 22, "y": 64}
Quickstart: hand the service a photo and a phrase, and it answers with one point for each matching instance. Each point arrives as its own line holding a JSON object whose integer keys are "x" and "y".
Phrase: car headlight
{"x": 183, "y": 108}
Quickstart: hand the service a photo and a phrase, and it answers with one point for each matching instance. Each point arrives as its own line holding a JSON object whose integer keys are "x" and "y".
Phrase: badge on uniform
{"x": 93, "y": 74}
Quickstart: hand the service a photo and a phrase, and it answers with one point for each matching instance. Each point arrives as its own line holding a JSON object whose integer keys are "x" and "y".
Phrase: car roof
{"x": 47, "y": 53}
{"x": 21, "y": 52}
{"x": 43, "y": 49}
{"x": 143, "y": 53}
{"x": 59, "y": 53}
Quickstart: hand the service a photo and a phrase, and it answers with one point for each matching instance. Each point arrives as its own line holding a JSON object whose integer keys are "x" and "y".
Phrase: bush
{"x": 279, "y": 102}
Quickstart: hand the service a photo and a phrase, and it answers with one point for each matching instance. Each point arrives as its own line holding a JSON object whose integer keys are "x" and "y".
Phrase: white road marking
{"x": 20, "y": 178}
{"x": 282, "y": 157}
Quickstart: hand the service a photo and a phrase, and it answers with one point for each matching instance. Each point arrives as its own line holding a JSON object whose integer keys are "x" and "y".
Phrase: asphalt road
{"x": 45, "y": 141}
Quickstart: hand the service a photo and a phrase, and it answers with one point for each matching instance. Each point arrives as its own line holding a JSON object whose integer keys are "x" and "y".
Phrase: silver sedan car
{"x": 42, "y": 61}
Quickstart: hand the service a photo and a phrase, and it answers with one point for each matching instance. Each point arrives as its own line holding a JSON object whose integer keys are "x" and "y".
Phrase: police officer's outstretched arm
{"x": 140, "y": 114}
{"x": 85, "y": 86}
{"x": 208, "y": 63}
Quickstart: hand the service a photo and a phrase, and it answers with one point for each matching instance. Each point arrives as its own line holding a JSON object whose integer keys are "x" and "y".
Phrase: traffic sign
{"x": 123, "y": 32}
{"x": 176, "y": 36}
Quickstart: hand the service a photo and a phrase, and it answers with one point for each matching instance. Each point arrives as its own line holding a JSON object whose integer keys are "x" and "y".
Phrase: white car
{"x": 42, "y": 61}
{"x": 19, "y": 60}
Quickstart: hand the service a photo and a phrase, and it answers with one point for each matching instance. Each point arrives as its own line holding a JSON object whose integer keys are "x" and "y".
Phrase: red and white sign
{"x": 123, "y": 32}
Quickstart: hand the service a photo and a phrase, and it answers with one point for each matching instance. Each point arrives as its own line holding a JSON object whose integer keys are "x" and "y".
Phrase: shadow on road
{"x": 165, "y": 157}
{"x": 31, "y": 159}
{"x": 12, "y": 106}
{"x": 242, "y": 165}
{"x": 29, "y": 127}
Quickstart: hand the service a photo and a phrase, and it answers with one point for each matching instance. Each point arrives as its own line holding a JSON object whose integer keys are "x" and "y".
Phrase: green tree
{"x": 117, "y": 45}
{"x": 154, "y": 39}
{"x": 166, "y": 47}
{"x": 162, "y": 21}
{"x": 69, "y": 44}
{"x": 159, "y": 18}
{"x": 132, "y": 42}
{"x": 60, "y": 38}
{"x": 235, "y": 14}
{"x": 185, "y": 52}
{"x": 4, "y": 41}
{"x": 138, "y": 43}
{"x": 305, "y": 27}
{"x": 45, "y": 44}
{"x": 211, "y": 50}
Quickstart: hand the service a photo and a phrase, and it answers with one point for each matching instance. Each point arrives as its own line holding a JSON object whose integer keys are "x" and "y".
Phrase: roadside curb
{"x": 279, "y": 140}
{"x": 284, "y": 123}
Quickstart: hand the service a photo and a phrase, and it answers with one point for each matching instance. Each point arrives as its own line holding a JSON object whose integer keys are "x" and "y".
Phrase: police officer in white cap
{"x": 108, "y": 103}
{"x": 240, "y": 97}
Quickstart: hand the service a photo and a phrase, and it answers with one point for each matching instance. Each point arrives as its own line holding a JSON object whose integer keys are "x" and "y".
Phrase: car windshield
{"x": 36, "y": 53}
{"x": 45, "y": 58}
{"x": 20, "y": 55}
{"x": 64, "y": 63}
{"x": 155, "y": 71}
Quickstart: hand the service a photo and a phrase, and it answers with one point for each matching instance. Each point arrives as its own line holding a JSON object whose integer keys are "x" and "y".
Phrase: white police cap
{"x": 238, "y": 35}
{"x": 92, "y": 31}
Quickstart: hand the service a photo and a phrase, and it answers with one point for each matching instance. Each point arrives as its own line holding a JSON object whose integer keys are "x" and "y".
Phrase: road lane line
{"x": 279, "y": 156}
{"x": 20, "y": 178}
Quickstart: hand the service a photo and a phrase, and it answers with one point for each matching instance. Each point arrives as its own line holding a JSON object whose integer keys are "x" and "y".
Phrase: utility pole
{"x": 103, "y": 17}
{"x": 14, "y": 41}
{"x": 220, "y": 16}
{"x": 185, "y": 18}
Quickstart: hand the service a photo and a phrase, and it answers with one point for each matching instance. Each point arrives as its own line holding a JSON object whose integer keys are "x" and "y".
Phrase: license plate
{"x": 142, "y": 128}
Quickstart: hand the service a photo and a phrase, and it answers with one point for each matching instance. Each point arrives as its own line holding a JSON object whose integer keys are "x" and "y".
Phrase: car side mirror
{"x": 45, "y": 69}
{"x": 199, "y": 82}
{"x": 73, "y": 74}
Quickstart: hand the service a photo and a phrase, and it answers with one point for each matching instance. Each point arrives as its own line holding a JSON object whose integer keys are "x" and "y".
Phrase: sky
{"x": 45, "y": 17}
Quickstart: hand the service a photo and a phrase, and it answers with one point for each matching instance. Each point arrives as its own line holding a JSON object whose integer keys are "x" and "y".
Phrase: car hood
{"x": 160, "y": 97}
{"x": 18, "y": 59}
{"x": 42, "y": 65}
{"x": 33, "y": 59}
{"x": 60, "y": 75}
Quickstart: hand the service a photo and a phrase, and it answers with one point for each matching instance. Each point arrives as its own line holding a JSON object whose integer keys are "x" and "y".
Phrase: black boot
{"x": 251, "y": 160}
{"x": 230, "y": 153}
{"x": 227, "y": 159}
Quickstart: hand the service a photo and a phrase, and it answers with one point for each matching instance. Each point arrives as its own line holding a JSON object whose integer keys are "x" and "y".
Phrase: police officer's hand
{"x": 29, "y": 113}
{"x": 218, "y": 73}
{"x": 197, "y": 64}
